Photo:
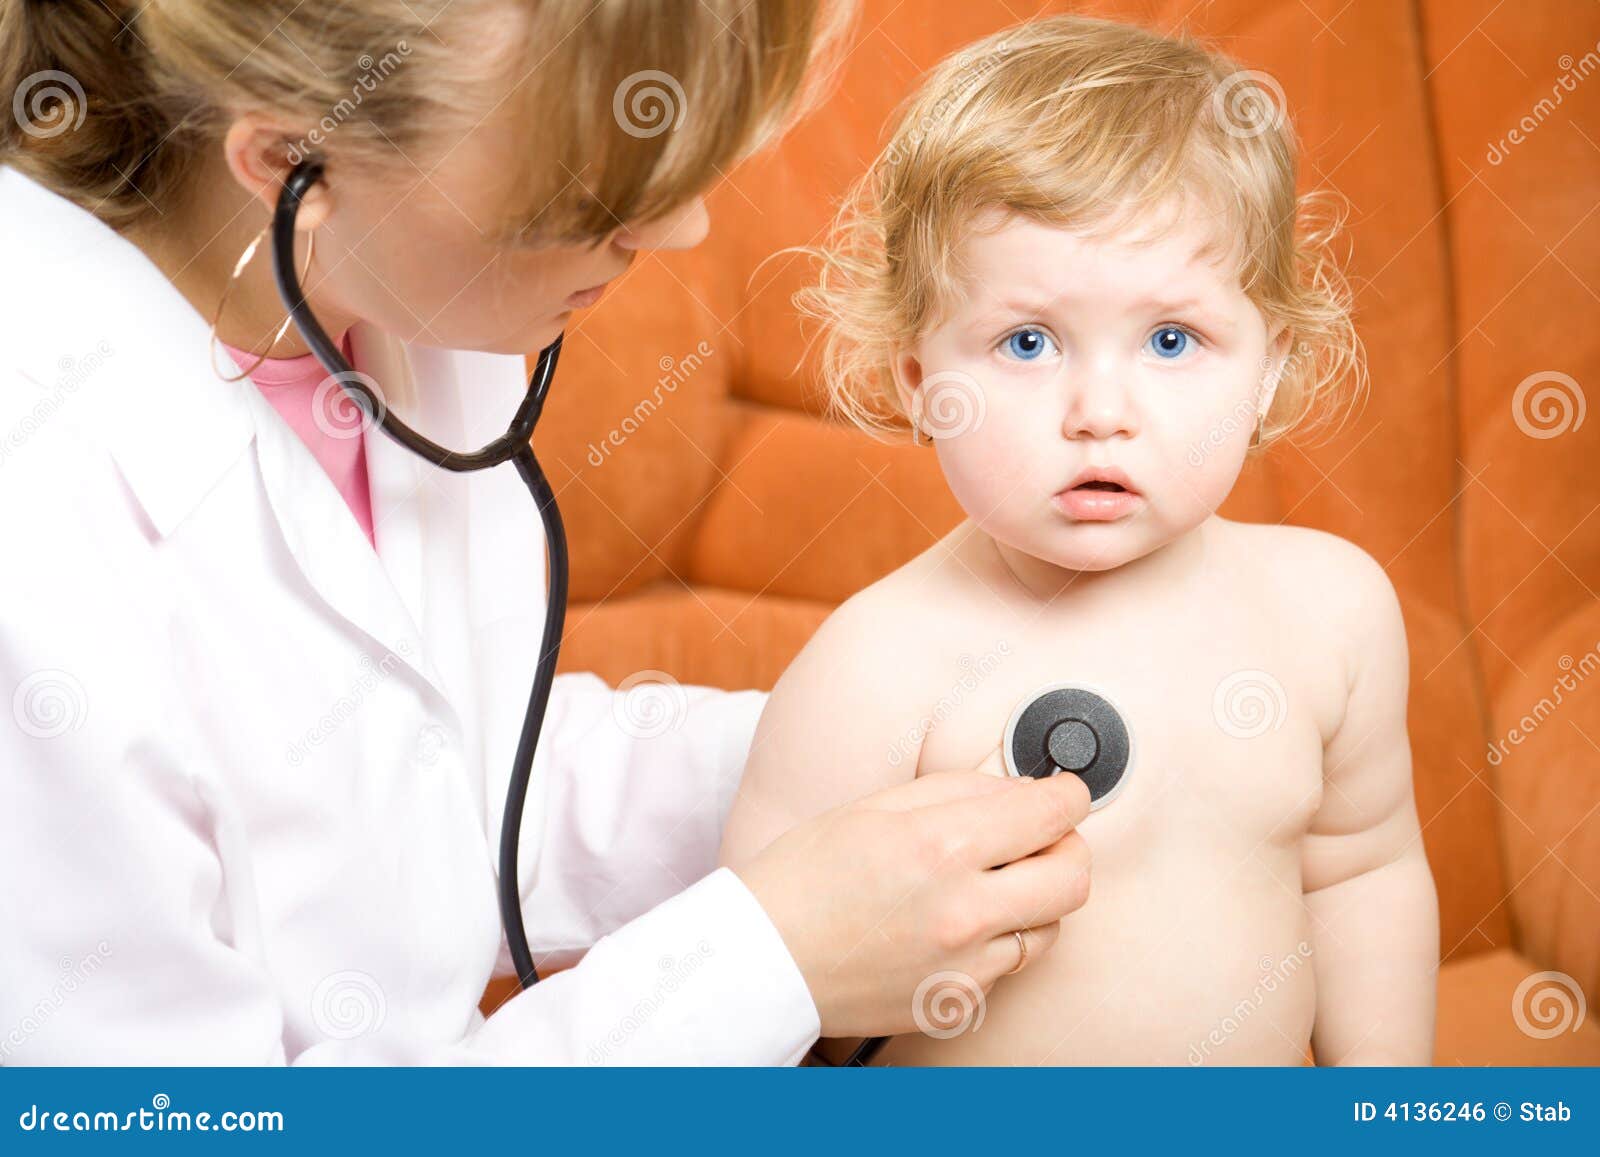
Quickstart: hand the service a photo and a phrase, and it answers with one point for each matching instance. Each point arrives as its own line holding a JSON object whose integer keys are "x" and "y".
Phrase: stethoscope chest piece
{"x": 1064, "y": 727}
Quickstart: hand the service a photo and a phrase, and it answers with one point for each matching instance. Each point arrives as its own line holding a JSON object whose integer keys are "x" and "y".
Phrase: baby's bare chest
{"x": 1223, "y": 720}
{"x": 1195, "y": 908}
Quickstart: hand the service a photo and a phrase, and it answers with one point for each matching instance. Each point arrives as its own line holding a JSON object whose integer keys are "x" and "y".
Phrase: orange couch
{"x": 712, "y": 533}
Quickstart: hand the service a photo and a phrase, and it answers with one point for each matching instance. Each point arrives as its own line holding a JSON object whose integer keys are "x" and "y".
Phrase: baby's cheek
{"x": 1202, "y": 481}
{"x": 985, "y": 479}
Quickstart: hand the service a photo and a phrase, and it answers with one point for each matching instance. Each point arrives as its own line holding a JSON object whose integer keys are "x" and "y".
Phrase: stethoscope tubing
{"x": 513, "y": 446}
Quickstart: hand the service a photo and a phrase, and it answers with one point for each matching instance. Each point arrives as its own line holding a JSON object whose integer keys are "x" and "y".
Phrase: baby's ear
{"x": 1276, "y": 363}
{"x": 907, "y": 371}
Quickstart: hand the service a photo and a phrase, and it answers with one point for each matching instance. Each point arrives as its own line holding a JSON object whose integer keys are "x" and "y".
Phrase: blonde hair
{"x": 1084, "y": 124}
{"x": 116, "y": 98}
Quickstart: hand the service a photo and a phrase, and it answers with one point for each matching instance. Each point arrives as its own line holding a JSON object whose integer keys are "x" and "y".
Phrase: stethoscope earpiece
{"x": 1064, "y": 727}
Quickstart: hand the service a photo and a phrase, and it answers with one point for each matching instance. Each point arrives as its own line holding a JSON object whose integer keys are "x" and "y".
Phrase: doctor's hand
{"x": 930, "y": 876}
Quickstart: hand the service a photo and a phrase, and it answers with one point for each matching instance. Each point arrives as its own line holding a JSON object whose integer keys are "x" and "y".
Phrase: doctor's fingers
{"x": 1026, "y": 816}
{"x": 936, "y": 788}
{"x": 1003, "y": 954}
{"x": 1038, "y": 889}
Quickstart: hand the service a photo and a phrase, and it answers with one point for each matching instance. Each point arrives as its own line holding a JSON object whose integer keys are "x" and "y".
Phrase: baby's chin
{"x": 1088, "y": 547}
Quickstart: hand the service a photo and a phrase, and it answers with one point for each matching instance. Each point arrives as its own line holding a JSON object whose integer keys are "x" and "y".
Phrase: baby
{"x": 1081, "y": 273}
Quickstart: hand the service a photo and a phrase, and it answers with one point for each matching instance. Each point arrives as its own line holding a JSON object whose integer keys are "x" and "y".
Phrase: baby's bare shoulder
{"x": 1327, "y": 591}
{"x": 888, "y": 623}
{"x": 1308, "y": 570}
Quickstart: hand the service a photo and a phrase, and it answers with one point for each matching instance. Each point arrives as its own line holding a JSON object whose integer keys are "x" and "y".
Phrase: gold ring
{"x": 1022, "y": 944}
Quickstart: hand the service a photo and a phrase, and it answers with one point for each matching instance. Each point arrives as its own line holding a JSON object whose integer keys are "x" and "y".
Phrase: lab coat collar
{"x": 386, "y": 601}
{"x": 171, "y": 425}
{"x": 174, "y": 428}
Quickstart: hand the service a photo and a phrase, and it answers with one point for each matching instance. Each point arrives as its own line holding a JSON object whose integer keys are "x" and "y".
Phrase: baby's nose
{"x": 1098, "y": 406}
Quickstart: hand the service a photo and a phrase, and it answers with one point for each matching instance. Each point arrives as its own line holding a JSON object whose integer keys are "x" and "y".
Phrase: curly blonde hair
{"x": 1084, "y": 124}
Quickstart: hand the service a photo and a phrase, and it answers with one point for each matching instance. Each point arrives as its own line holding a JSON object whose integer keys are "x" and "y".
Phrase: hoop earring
{"x": 222, "y": 302}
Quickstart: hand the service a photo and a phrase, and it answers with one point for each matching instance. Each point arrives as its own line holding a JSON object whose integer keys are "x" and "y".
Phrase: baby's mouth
{"x": 1105, "y": 495}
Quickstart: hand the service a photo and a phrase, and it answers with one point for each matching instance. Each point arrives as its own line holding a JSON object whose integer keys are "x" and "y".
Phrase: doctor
{"x": 261, "y": 673}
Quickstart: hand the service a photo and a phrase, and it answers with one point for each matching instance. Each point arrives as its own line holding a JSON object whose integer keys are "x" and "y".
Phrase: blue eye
{"x": 1027, "y": 345}
{"x": 1169, "y": 342}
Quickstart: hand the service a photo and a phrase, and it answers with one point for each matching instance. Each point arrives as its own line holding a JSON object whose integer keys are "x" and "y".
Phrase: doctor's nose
{"x": 1099, "y": 405}
{"x": 682, "y": 228}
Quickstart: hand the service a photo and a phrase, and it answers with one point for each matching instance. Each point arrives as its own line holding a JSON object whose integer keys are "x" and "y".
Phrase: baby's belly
{"x": 1194, "y": 953}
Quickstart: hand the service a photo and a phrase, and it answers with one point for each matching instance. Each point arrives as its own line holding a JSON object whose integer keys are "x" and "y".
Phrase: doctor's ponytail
{"x": 85, "y": 114}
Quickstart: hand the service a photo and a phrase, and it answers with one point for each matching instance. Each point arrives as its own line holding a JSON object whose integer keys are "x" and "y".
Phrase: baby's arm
{"x": 1374, "y": 912}
{"x": 835, "y": 727}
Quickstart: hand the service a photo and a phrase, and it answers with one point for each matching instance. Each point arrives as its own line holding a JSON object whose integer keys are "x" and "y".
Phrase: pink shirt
{"x": 328, "y": 424}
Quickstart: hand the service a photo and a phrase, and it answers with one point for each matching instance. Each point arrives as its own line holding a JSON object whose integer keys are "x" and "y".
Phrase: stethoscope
{"x": 513, "y": 446}
{"x": 1060, "y": 728}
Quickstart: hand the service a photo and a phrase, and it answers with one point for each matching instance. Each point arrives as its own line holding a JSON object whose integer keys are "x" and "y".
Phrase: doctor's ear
{"x": 260, "y": 155}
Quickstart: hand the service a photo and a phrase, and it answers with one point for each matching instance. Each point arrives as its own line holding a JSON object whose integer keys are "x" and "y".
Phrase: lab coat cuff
{"x": 770, "y": 995}
{"x": 703, "y": 978}
{"x": 725, "y": 989}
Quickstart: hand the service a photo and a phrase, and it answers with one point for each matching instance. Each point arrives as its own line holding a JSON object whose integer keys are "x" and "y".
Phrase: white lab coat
{"x": 251, "y": 773}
